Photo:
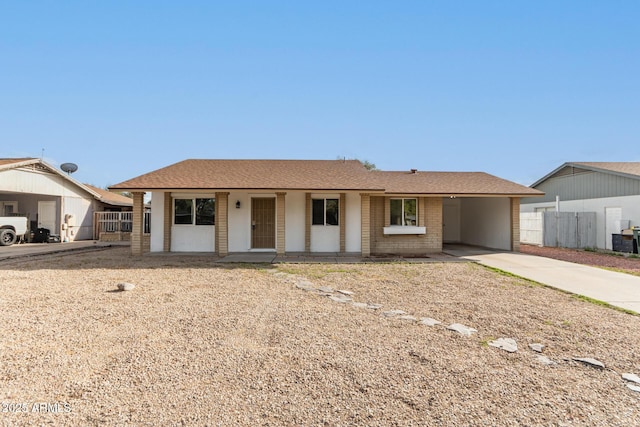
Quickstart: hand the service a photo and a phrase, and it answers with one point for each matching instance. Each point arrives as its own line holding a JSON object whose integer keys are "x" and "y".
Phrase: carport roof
{"x": 13, "y": 163}
{"x": 451, "y": 184}
{"x": 318, "y": 175}
{"x": 109, "y": 198}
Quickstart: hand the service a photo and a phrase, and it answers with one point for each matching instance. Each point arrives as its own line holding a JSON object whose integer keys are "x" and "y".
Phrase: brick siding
{"x": 280, "y": 223}
{"x": 429, "y": 216}
{"x": 137, "y": 233}
{"x": 515, "y": 224}
{"x": 222, "y": 224}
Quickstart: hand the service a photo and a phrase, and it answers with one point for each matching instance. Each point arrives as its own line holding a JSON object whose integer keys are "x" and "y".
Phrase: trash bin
{"x": 41, "y": 235}
{"x": 636, "y": 237}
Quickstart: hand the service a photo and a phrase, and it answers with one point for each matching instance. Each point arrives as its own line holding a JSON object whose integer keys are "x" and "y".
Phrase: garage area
{"x": 478, "y": 221}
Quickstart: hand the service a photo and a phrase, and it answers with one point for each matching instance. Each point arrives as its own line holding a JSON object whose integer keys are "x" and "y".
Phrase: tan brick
{"x": 137, "y": 233}
{"x": 222, "y": 224}
{"x": 280, "y": 223}
{"x": 365, "y": 233}
{"x": 515, "y": 224}
{"x": 429, "y": 216}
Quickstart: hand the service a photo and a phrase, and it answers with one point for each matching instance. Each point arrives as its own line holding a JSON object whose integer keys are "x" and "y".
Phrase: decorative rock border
{"x": 506, "y": 344}
{"x": 631, "y": 381}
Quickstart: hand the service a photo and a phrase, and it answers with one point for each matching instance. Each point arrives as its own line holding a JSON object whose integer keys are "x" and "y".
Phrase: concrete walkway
{"x": 618, "y": 289}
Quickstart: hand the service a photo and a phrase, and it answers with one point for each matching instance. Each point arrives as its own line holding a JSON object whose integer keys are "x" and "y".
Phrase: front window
{"x": 205, "y": 211}
{"x": 404, "y": 212}
{"x": 183, "y": 212}
{"x": 198, "y": 211}
{"x": 325, "y": 212}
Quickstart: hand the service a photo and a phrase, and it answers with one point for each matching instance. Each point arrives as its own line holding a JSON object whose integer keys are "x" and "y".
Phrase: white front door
{"x": 612, "y": 216}
{"x": 47, "y": 216}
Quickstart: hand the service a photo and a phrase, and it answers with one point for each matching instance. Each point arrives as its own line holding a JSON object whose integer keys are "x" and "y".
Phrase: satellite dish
{"x": 69, "y": 167}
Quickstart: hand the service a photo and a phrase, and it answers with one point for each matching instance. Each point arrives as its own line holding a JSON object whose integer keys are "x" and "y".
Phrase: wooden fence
{"x": 116, "y": 226}
{"x": 559, "y": 229}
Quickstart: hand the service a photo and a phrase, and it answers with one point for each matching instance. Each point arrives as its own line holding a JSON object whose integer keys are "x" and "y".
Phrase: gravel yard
{"x": 622, "y": 262}
{"x": 197, "y": 343}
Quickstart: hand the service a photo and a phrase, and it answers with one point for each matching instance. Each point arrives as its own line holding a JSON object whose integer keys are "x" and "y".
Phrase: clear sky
{"x": 512, "y": 88}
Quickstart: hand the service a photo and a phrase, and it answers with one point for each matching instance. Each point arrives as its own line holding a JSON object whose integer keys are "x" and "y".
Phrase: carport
{"x": 49, "y": 198}
{"x": 478, "y": 221}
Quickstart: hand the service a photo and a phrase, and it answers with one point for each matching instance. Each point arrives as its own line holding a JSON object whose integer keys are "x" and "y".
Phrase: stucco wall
{"x": 157, "y": 221}
{"x": 82, "y": 211}
{"x": 486, "y": 221}
{"x": 184, "y": 238}
{"x": 325, "y": 238}
{"x": 35, "y": 182}
{"x": 294, "y": 233}
{"x": 193, "y": 238}
{"x": 353, "y": 238}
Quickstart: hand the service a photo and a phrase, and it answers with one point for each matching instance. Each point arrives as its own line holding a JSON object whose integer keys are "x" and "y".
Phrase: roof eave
{"x": 53, "y": 170}
{"x": 603, "y": 170}
{"x": 195, "y": 189}
{"x": 449, "y": 194}
{"x": 582, "y": 166}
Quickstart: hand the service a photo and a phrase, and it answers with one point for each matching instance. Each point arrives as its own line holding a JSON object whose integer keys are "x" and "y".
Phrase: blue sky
{"x": 512, "y": 88}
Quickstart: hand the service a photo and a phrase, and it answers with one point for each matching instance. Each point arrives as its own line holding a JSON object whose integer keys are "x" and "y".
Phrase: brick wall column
{"x": 168, "y": 222}
{"x": 365, "y": 221}
{"x": 137, "y": 232}
{"x": 222, "y": 224}
{"x": 434, "y": 222}
{"x": 387, "y": 212}
{"x": 280, "y": 223}
{"x": 307, "y": 222}
{"x": 422, "y": 213}
{"x": 343, "y": 222}
{"x": 515, "y": 224}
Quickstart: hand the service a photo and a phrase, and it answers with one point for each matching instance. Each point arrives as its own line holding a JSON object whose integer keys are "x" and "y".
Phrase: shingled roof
{"x": 626, "y": 169}
{"x": 317, "y": 175}
{"x": 111, "y": 198}
{"x": 451, "y": 183}
{"x": 195, "y": 174}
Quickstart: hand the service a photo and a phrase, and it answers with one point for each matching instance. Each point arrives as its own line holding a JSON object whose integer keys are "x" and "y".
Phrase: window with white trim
{"x": 325, "y": 212}
{"x": 194, "y": 211}
{"x": 404, "y": 212}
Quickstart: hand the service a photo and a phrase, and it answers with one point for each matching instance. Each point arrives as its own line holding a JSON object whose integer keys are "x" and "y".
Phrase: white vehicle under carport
{"x": 11, "y": 228}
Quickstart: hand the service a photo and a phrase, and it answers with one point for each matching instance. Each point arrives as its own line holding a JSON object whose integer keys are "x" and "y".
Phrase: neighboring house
{"x": 317, "y": 206}
{"x": 609, "y": 189}
{"x": 110, "y": 201}
{"x": 53, "y": 200}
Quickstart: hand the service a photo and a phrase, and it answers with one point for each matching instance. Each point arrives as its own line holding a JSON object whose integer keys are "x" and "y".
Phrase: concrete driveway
{"x": 618, "y": 289}
{"x": 31, "y": 249}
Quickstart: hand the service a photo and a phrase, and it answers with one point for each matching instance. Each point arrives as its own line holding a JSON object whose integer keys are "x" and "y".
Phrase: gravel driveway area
{"x": 197, "y": 343}
{"x": 626, "y": 263}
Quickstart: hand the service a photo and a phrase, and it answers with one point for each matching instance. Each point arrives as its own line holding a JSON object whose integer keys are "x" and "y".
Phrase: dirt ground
{"x": 626, "y": 263}
{"x": 197, "y": 343}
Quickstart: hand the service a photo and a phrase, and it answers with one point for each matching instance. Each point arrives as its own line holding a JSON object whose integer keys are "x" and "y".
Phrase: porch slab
{"x": 320, "y": 257}
{"x": 250, "y": 258}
